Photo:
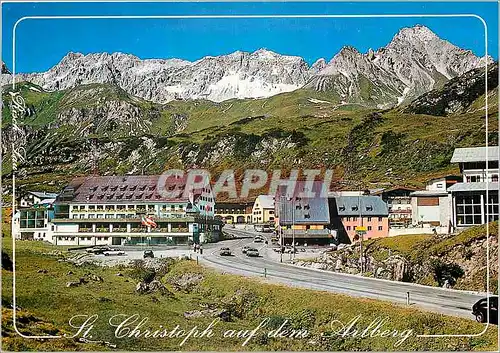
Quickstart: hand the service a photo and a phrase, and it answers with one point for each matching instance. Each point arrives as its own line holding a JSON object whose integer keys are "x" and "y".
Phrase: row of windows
{"x": 31, "y": 223}
{"x": 477, "y": 178}
{"x": 368, "y": 228}
{"x": 399, "y": 201}
{"x": 354, "y": 219}
{"x": 222, "y": 211}
{"x": 470, "y": 211}
{"x": 87, "y": 238}
{"x": 32, "y": 214}
{"x": 123, "y": 207}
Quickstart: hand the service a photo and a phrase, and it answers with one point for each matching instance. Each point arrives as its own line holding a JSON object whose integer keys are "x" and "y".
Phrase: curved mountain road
{"x": 445, "y": 301}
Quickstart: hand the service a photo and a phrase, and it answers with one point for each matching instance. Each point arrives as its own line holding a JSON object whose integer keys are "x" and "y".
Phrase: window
{"x": 468, "y": 209}
{"x": 380, "y": 219}
{"x": 473, "y": 178}
{"x": 494, "y": 178}
{"x": 348, "y": 227}
{"x": 380, "y": 227}
{"x": 369, "y": 227}
{"x": 369, "y": 219}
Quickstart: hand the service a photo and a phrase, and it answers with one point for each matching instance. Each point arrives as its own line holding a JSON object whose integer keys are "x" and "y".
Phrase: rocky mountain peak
{"x": 415, "y": 33}
{"x": 347, "y": 52}
{"x": 414, "y": 62}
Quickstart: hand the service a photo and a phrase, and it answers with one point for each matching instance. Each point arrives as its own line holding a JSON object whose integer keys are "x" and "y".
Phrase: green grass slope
{"x": 300, "y": 129}
{"x": 51, "y": 304}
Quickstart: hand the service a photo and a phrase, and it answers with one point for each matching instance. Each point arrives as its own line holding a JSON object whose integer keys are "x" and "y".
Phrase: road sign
{"x": 360, "y": 229}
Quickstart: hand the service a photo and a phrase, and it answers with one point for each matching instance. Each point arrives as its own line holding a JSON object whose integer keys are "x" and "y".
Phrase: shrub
{"x": 446, "y": 272}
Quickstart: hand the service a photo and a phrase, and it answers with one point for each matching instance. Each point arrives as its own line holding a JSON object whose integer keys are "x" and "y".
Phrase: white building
{"x": 475, "y": 200}
{"x": 263, "y": 209}
{"x": 31, "y": 198}
{"x": 33, "y": 223}
{"x": 431, "y": 207}
{"x": 109, "y": 210}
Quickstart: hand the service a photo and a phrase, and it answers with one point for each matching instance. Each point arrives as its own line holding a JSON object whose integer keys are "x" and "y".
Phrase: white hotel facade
{"x": 107, "y": 210}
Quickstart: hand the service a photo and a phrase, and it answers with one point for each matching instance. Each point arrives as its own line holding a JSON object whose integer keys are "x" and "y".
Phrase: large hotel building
{"x": 101, "y": 210}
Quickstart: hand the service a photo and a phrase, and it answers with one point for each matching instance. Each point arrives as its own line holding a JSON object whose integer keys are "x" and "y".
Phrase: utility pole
{"x": 360, "y": 233}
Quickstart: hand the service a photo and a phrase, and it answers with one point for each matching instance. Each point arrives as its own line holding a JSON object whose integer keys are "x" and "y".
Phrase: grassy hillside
{"x": 300, "y": 129}
{"x": 188, "y": 288}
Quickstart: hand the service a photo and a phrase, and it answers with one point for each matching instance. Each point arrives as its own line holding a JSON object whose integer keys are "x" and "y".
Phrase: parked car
{"x": 114, "y": 252}
{"x": 258, "y": 240}
{"x": 252, "y": 252}
{"x": 480, "y": 310}
{"x": 225, "y": 252}
{"x": 244, "y": 249}
{"x": 148, "y": 253}
{"x": 98, "y": 250}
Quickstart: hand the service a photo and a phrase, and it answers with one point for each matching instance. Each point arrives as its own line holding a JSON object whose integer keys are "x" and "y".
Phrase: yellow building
{"x": 263, "y": 209}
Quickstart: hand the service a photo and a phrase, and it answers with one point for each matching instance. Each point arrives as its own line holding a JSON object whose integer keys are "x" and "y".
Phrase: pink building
{"x": 349, "y": 212}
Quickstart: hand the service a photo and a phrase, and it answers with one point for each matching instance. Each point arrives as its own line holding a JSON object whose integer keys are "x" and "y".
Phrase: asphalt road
{"x": 445, "y": 301}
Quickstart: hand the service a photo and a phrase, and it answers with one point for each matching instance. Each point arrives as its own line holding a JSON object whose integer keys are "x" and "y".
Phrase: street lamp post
{"x": 280, "y": 208}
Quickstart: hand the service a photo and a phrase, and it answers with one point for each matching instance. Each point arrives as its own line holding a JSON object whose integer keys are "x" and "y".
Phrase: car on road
{"x": 148, "y": 253}
{"x": 114, "y": 252}
{"x": 252, "y": 252}
{"x": 480, "y": 310}
{"x": 244, "y": 249}
{"x": 258, "y": 239}
{"x": 225, "y": 252}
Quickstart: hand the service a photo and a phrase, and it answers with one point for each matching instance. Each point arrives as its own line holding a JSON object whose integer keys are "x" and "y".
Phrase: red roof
{"x": 130, "y": 188}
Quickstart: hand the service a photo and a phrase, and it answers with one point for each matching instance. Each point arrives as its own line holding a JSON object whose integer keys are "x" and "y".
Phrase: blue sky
{"x": 41, "y": 43}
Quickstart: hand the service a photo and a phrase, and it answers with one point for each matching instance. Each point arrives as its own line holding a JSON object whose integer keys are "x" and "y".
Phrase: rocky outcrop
{"x": 460, "y": 266}
{"x": 457, "y": 95}
{"x": 154, "y": 286}
{"x": 186, "y": 282}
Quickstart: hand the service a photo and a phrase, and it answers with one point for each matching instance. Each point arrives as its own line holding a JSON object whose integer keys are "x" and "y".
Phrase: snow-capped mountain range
{"x": 414, "y": 62}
